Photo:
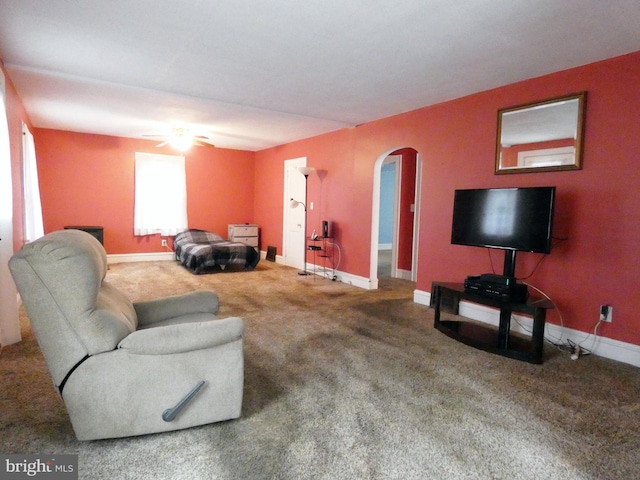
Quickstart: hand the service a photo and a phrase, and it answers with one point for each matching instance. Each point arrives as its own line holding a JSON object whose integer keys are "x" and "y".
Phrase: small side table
{"x": 323, "y": 249}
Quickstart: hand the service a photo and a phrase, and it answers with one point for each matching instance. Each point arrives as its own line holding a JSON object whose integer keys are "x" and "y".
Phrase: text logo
{"x": 51, "y": 467}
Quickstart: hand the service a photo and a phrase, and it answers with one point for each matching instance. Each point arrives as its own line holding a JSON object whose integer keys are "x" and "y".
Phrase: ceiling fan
{"x": 181, "y": 139}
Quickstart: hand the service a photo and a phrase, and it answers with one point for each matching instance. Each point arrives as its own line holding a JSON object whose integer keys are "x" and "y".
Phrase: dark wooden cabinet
{"x": 96, "y": 231}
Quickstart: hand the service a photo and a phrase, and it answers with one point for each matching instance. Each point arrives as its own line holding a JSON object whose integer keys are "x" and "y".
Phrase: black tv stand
{"x": 446, "y": 295}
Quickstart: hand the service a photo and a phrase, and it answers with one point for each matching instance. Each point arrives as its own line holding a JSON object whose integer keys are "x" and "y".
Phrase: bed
{"x": 201, "y": 252}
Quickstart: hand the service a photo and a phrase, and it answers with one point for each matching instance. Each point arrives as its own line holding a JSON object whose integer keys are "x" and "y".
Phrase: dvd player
{"x": 497, "y": 286}
{"x": 497, "y": 279}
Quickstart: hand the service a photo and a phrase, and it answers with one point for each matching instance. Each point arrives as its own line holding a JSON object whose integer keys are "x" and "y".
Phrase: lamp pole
{"x": 306, "y": 171}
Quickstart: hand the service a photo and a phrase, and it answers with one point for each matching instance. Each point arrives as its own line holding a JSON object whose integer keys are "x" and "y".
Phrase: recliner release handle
{"x": 171, "y": 413}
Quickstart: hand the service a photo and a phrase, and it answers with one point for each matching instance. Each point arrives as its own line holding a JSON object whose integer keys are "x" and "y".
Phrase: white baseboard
{"x": 343, "y": 277}
{"x": 357, "y": 281}
{"x": 140, "y": 257}
{"x": 601, "y": 346}
{"x": 422, "y": 297}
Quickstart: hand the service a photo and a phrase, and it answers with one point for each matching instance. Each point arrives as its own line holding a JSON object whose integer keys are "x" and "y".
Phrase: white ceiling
{"x": 258, "y": 74}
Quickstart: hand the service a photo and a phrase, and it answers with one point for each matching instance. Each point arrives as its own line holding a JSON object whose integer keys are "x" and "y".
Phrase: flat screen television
{"x": 512, "y": 219}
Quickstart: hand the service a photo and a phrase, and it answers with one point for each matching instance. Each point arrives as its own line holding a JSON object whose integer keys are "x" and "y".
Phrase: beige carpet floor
{"x": 344, "y": 383}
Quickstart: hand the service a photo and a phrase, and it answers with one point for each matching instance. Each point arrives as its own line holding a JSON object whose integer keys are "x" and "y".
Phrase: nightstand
{"x": 244, "y": 233}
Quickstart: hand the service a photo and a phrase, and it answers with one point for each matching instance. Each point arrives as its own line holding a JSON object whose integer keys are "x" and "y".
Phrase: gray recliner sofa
{"x": 126, "y": 368}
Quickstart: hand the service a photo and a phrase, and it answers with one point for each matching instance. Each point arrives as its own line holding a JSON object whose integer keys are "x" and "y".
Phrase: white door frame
{"x": 294, "y": 186}
{"x": 375, "y": 218}
{"x": 9, "y": 322}
{"x": 416, "y": 220}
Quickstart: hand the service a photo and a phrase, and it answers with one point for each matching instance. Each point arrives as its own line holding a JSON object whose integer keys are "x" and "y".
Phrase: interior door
{"x": 293, "y": 244}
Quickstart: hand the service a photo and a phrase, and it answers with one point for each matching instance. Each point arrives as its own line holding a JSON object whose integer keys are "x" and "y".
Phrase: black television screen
{"x": 517, "y": 219}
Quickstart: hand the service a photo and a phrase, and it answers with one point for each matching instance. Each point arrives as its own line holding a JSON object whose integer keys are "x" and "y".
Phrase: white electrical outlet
{"x": 164, "y": 242}
{"x": 606, "y": 313}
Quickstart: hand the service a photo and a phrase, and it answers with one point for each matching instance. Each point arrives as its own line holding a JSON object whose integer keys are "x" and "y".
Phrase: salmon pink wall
{"x": 329, "y": 189}
{"x": 407, "y": 198}
{"x": 89, "y": 180}
{"x": 598, "y": 207}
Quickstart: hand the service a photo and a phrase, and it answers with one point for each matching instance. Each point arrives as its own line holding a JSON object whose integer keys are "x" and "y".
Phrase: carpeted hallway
{"x": 343, "y": 383}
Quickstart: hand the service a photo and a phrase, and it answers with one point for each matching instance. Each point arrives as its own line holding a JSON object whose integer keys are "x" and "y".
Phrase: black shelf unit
{"x": 446, "y": 296}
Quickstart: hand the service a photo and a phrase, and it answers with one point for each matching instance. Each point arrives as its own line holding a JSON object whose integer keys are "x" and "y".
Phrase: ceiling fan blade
{"x": 199, "y": 139}
{"x": 201, "y": 143}
{"x": 155, "y": 135}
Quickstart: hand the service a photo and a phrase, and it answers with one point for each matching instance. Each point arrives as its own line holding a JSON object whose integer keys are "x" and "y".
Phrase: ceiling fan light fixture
{"x": 181, "y": 138}
{"x": 181, "y": 141}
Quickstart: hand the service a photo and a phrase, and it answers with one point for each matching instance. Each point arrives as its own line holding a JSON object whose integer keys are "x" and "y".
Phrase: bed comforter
{"x": 201, "y": 251}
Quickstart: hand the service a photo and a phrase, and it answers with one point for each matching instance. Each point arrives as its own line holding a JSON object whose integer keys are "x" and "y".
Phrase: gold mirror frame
{"x": 543, "y": 136}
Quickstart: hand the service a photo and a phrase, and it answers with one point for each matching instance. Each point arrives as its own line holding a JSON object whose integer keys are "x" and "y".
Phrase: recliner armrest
{"x": 184, "y": 337}
{"x": 201, "y": 301}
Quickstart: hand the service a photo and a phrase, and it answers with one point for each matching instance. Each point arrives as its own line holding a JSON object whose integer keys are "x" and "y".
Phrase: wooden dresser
{"x": 245, "y": 233}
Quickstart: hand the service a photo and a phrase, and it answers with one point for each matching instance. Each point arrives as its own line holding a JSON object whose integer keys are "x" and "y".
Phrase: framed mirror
{"x": 541, "y": 137}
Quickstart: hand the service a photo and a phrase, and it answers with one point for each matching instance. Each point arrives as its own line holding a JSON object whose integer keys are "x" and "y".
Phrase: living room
{"x": 87, "y": 179}
{"x": 595, "y": 210}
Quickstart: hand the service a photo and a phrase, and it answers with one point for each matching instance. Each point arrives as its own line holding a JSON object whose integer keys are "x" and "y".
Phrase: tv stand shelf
{"x": 485, "y": 337}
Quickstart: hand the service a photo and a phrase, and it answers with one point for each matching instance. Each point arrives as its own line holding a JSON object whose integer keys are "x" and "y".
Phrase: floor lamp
{"x": 306, "y": 171}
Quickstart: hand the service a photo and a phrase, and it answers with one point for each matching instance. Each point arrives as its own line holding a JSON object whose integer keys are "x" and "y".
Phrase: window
{"x": 33, "y": 227}
{"x": 160, "y": 195}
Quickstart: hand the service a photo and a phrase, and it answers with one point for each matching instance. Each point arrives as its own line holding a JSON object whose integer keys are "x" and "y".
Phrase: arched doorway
{"x": 401, "y": 227}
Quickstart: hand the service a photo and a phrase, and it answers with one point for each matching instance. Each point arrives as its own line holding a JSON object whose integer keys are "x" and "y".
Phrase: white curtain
{"x": 32, "y": 206}
{"x": 160, "y": 195}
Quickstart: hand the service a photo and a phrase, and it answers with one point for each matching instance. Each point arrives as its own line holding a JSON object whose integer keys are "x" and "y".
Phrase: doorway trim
{"x": 416, "y": 219}
{"x": 286, "y": 209}
{"x": 375, "y": 217}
